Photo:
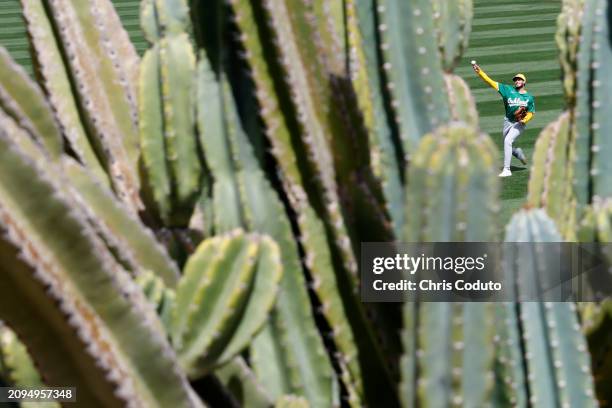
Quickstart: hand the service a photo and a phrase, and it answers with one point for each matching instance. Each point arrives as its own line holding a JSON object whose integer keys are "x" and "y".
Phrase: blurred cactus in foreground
{"x": 184, "y": 229}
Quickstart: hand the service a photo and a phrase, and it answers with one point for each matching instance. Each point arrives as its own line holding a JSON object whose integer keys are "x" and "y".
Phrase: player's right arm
{"x": 493, "y": 84}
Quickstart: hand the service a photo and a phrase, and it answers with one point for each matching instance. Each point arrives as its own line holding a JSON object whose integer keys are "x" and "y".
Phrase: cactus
{"x": 132, "y": 243}
{"x": 550, "y": 184}
{"x": 312, "y": 126}
{"x": 24, "y": 102}
{"x": 453, "y": 188}
{"x": 462, "y": 102}
{"x": 366, "y": 78}
{"x": 17, "y": 365}
{"x": 46, "y": 296}
{"x": 167, "y": 112}
{"x": 591, "y": 176}
{"x": 223, "y": 299}
{"x": 556, "y": 358}
{"x": 596, "y": 317}
{"x": 101, "y": 65}
{"x": 453, "y": 191}
{"x": 568, "y": 40}
{"x": 412, "y": 67}
{"x": 56, "y": 82}
{"x": 453, "y": 22}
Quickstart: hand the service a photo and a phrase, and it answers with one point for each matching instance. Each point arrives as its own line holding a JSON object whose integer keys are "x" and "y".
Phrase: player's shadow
{"x": 514, "y": 168}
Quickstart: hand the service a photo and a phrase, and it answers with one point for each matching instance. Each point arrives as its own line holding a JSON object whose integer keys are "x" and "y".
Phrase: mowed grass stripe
{"x": 519, "y": 47}
{"x": 505, "y": 41}
{"x": 520, "y": 19}
{"x": 513, "y": 8}
{"x": 511, "y": 65}
{"x": 494, "y": 62}
{"x": 532, "y": 12}
{"x": 512, "y": 25}
{"x": 514, "y": 32}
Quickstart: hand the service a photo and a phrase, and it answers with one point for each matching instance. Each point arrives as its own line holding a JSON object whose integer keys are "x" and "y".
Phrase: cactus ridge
{"x": 212, "y": 125}
{"x": 550, "y": 181}
{"x": 295, "y": 317}
{"x": 462, "y": 102}
{"x": 241, "y": 297}
{"x": 23, "y": 100}
{"x": 453, "y": 24}
{"x": 556, "y": 355}
{"x": 567, "y": 38}
{"x": 88, "y": 308}
{"x": 365, "y": 76}
{"x": 413, "y": 68}
{"x": 233, "y": 162}
{"x": 134, "y": 240}
{"x": 308, "y": 101}
{"x": 56, "y": 82}
{"x": 103, "y": 100}
{"x": 583, "y": 114}
{"x": 241, "y": 382}
{"x": 317, "y": 258}
{"x": 601, "y": 126}
{"x": 453, "y": 187}
{"x": 168, "y": 109}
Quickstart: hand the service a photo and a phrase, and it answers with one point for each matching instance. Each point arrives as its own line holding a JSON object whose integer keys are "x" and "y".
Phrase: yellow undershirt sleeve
{"x": 488, "y": 80}
{"x": 527, "y": 117}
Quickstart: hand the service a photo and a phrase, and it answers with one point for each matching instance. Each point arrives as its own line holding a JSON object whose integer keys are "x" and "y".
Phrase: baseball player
{"x": 520, "y": 108}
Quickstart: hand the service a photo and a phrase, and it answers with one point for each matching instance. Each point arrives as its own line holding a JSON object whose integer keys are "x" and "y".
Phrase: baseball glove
{"x": 520, "y": 113}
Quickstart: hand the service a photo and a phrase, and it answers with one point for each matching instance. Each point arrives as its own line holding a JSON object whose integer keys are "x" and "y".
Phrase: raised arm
{"x": 485, "y": 77}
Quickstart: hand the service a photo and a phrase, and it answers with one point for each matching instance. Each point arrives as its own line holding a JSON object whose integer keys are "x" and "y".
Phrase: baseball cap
{"x": 519, "y": 76}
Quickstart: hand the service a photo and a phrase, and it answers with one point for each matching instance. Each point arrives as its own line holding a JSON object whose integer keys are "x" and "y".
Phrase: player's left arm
{"x": 530, "y": 111}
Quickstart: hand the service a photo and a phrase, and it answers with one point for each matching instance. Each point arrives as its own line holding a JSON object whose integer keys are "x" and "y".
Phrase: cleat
{"x": 521, "y": 156}
{"x": 505, "y": 173}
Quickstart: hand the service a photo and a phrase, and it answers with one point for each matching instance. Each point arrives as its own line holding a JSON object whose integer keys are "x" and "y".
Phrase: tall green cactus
{"x": 550, "y": 184}
{"x": 569, "y": 26}
{"x": 596, "y": 225}
{"x": 119, "y": 353}
{"x": 57, "y": 84}
{"x": 592, "y": 171}
{"x": 451, "y": 196}
{"x": 302, "y": 357}
{"x": 453, "y": 23}
{"x": 95, "y": 84}
{"x": 556, "y": 359}
{"x": 366, "y": 135}
{"x": 412, "y": 67}
{"x": 23, "y": 100}
{"x": 221, "y": 301}
{"x": 167, "y": 111}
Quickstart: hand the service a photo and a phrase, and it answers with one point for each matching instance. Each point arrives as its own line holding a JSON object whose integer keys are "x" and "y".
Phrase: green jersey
{"x": 513, "y": 99}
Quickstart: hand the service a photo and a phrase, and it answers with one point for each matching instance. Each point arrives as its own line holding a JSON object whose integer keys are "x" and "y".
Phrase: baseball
{"x": 473, "y": 62}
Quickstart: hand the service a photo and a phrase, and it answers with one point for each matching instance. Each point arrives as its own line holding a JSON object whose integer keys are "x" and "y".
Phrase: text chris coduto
{"x": 409, "y": 266}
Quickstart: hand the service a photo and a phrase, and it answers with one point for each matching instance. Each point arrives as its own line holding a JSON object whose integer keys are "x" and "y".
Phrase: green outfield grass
{"x": 508, "y": 38}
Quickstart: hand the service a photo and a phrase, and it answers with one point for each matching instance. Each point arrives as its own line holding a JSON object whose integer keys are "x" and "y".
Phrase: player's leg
{"x": 514, "y": 132}
{"x": 507, "y": 129}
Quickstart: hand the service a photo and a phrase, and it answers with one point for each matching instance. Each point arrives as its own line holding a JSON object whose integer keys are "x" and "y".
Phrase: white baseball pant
{"x": 511, "y": 131}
